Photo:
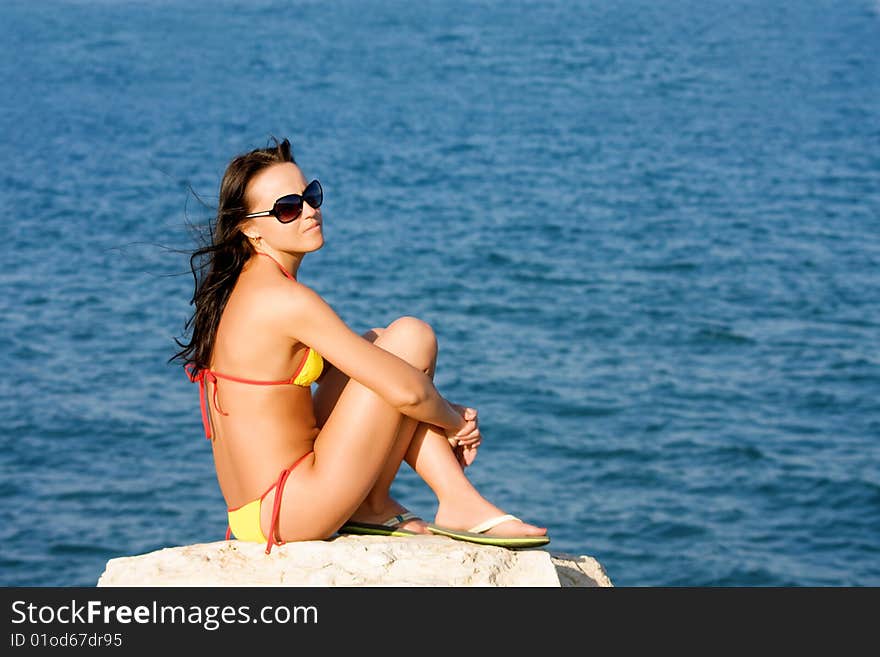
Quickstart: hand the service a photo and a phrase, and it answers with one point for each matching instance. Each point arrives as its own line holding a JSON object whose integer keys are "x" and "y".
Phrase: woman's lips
{"x": 312, "y": 228}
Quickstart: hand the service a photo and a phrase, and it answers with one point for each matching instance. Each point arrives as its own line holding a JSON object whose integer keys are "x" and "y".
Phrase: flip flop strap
{"x": 490, "y": 523}
{"x": 394, "y": 521}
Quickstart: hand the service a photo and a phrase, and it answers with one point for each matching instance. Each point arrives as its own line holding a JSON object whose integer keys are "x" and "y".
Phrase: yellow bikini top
{"x": 309, "y": 370}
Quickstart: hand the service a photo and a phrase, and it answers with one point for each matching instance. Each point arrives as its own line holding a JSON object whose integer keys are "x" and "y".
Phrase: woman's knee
{"x": 416, "y": 337}
{"x": 415, "y": 331}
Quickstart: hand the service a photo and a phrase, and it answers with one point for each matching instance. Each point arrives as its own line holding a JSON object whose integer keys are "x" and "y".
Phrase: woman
{"x": 375, "y": 404}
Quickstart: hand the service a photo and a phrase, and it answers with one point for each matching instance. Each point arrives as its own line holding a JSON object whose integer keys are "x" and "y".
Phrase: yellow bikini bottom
{"x": 244, "y": 521}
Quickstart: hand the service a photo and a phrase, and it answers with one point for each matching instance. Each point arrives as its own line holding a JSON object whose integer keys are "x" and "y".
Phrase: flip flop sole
{"x": 373, "y": 530}
{"x": 484, "y": 539}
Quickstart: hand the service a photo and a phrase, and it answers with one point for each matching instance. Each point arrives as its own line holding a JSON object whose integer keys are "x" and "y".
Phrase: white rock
{"x": 353, "y": 561}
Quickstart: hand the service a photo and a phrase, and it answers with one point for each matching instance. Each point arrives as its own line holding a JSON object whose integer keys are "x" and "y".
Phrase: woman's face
{"x": 300, "y": 235}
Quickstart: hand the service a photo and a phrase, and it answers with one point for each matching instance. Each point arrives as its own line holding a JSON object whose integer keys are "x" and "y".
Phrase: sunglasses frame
{"x": 274, "y": 211}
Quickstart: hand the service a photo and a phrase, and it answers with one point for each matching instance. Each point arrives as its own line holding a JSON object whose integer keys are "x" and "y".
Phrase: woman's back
{"x": 264, "y": 424}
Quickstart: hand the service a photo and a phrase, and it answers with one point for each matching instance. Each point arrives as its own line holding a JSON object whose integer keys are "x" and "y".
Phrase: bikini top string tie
{"x": 202, "y": 376}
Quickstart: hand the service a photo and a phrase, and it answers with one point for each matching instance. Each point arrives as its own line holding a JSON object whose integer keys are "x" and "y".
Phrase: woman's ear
{"x": 250, "y": 231}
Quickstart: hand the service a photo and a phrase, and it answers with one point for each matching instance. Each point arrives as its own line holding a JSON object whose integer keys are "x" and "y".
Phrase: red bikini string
{"x": 286, "y": 273}
{"x": 276, "y": 507}
{"x": 200, "y": 376}
{"x": 207, "y": 376}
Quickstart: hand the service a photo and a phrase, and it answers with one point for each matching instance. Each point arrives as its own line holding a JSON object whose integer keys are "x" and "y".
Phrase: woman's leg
{"x": 460, "y": 505}
{"x": 354, "y": 447}
{"x": 428, "y": 452}
{"x": 379, "y": 505}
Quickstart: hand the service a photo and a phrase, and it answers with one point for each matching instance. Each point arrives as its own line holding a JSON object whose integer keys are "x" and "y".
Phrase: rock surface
{"x": 353, "y": 561}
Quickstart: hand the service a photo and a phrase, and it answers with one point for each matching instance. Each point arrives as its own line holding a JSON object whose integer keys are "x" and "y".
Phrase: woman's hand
{"x": 465, "y": 455}
{"x": 467, "y": 439}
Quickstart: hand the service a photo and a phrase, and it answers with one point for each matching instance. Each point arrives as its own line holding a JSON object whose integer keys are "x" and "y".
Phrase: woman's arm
{"x": 434, "y": 409}
{"x": 303, "y": 315}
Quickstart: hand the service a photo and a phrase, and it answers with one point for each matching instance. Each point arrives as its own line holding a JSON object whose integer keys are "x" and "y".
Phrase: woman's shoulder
{"x": 282, "y": 300}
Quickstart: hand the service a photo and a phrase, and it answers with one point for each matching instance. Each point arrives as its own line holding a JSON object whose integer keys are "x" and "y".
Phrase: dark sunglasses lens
{"x": 288, "y": 209}
{"x": 314, "y": 194}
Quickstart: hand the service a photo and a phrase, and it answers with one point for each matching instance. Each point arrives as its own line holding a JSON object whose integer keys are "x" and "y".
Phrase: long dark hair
{"x": 225, "y": 253}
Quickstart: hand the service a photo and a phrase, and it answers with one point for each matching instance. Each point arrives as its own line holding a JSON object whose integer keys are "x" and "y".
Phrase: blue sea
{"x": 647, "y": 236}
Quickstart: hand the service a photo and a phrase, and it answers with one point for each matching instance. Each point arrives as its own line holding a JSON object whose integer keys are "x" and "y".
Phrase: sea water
{"x": 645, "y": 234}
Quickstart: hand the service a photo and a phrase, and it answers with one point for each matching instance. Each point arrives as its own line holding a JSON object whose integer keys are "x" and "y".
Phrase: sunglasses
{"x": 288, "y": 208}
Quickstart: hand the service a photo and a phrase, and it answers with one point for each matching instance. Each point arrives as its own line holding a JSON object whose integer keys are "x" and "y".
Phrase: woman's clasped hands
{"x": 467, "y": 438}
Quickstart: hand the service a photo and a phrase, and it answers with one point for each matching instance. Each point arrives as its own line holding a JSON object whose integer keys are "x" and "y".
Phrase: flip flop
{"x": 390, "y": 527}
{"x": 477, "y": 534}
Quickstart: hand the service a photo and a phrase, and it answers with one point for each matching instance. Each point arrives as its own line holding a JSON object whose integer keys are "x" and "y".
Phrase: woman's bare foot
{"x": 466, "y": 516}
{"x": 377, "y": 513}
